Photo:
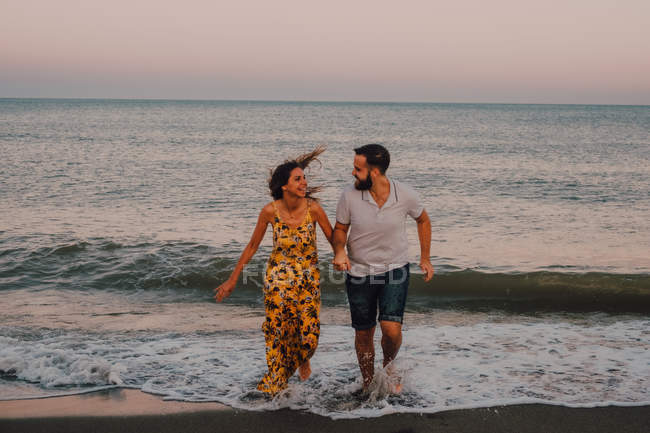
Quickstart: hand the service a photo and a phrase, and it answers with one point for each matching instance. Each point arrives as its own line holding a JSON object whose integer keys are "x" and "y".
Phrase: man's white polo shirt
{"x": 377, "y": 239}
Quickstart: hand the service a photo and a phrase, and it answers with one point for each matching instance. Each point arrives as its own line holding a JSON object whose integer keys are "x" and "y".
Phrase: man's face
{"x": 361, "y": 173}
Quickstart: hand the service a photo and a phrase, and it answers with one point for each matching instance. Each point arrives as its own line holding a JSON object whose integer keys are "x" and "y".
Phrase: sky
{"x": 511, "y": 51}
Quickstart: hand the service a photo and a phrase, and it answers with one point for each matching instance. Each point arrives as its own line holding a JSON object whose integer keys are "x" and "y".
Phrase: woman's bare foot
{"x": 304, "y": 371}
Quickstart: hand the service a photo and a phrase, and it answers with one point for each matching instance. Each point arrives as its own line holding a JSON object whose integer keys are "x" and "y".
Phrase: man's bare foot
{"x": 394, "y": 379}
{"x": 304, "y": 371}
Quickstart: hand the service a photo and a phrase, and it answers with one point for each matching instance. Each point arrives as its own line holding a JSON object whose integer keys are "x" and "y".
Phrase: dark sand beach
{"x": 124, "y": 410}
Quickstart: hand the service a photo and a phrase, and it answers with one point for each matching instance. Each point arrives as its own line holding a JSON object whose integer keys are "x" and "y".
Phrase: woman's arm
{"x": 341, "y": 260}
{"x": 323, "y": 222}
{"x": 225, "y": 289}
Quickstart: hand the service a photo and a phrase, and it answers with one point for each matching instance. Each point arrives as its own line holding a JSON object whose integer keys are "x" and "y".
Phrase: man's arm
{"x": 341, "y": 261}
{"x": 424, "y": 235}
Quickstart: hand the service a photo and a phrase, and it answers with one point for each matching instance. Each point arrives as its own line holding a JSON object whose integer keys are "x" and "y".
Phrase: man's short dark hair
{"x": 376, "y": 156}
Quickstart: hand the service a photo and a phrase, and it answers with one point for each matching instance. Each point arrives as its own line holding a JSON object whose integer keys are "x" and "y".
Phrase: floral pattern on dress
{"x": 291, "y": 300}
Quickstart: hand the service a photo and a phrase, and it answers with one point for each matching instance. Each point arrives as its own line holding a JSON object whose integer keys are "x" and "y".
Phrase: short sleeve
{"x": 343, "y": 210}
{"x": 414, "y": 207}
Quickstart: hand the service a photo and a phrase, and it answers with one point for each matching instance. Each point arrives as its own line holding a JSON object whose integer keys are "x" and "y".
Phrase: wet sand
{"x": 125, "y": 410}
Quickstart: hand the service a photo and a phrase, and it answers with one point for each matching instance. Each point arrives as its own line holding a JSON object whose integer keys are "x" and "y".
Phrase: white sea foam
{"x": 471, "y": 364}
{"x": 52, "y": 366}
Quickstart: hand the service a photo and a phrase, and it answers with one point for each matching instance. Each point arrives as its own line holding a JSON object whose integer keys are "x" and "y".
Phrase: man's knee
{"x": 365, "y": 336}
{"x": 391, "y": 330}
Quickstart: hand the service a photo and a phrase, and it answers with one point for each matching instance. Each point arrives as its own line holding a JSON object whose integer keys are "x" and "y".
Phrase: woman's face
{"x": 297, "y": 184}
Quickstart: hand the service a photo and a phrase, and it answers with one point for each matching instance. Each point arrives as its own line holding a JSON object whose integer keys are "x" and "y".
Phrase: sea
{"x": 118, "y": 218}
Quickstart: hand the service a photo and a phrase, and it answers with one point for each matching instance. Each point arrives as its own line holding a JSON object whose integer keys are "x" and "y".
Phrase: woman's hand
{"x": 341, "y": 261}
{"x": 224, "y": 290}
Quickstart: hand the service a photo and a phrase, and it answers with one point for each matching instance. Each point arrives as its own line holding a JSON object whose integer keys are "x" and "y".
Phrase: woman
{"x": 292, "y": 281}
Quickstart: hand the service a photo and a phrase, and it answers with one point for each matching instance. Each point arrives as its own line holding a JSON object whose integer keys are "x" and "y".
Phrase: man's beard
{"x": 363, "y": 185}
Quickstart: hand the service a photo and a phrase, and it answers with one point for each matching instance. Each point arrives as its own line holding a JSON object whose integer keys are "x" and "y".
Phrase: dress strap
{"x": 309, "y": 208}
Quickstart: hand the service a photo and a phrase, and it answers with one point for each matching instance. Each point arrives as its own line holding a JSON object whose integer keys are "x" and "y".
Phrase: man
{"x": 374, "y": 212}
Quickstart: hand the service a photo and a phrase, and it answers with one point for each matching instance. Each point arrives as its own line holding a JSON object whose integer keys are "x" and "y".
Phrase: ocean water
{"x": 119, "y": 217}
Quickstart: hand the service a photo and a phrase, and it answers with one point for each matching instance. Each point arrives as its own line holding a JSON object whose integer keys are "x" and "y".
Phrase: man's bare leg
{"x": 365, "y": 346}
{"x": 304, "y": 371}
{"x": 391, "y": 341}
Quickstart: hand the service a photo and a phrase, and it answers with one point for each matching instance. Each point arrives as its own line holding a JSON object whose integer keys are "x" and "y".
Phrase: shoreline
{"x": 131, "y": 410}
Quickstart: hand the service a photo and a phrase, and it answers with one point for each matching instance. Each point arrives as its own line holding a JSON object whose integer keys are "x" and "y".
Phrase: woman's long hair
{"x": 280, "y": 175}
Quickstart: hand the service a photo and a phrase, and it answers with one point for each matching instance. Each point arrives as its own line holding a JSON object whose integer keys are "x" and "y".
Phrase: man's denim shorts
{"x": 388, "y": 290}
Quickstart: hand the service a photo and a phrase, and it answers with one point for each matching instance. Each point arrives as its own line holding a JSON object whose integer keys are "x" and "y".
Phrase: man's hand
{"x": 224, "y": 290}
{"x": 341, "y": 261}
{"x": 427, "y": 268}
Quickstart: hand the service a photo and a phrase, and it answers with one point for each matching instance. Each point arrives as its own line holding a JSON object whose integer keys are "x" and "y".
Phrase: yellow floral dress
{"x": 292, "y": 301}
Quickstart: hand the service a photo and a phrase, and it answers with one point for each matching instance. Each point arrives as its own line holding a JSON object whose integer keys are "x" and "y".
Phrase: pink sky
{"x": 571, "y": 51}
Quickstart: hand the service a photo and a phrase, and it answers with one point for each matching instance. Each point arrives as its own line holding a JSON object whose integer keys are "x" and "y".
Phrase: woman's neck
{"x": 293, "y": 203}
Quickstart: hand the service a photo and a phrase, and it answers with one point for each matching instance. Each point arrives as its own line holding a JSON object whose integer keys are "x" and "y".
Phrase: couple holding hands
{"x": 371, "y": 223}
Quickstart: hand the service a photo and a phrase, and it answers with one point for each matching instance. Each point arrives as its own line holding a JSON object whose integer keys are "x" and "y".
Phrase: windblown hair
{"x": 280, "y": 175}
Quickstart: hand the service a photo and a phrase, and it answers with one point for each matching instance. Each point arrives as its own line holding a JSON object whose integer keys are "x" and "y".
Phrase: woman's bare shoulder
{"x": 268, "y": 211}
{"x": 317, "y": 208}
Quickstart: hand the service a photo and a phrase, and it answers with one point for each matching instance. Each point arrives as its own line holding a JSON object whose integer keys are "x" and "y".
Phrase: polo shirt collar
{"x": 392, "y": 197}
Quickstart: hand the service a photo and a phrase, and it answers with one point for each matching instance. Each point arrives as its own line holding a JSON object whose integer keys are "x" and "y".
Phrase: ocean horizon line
{"x": 314, "y": 101}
